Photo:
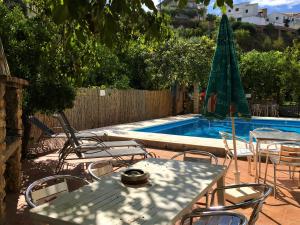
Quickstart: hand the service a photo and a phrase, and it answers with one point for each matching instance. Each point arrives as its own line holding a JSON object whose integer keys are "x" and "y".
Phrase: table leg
{"x": 220, "y": 194}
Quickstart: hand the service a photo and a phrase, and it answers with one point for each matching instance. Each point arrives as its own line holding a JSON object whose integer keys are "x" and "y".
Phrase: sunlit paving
{"x": 149, "y": 112}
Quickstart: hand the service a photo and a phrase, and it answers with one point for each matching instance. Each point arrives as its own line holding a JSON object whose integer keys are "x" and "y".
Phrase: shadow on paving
{"x": 284, "y": 210}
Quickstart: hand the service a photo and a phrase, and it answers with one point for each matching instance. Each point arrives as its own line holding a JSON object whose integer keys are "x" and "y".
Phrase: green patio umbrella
{"x": 225, "y": 96}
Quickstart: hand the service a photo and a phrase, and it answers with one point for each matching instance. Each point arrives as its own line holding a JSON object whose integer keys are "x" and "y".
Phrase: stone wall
{"x": 10, "y": 137}
{"x": 2, "y": 148}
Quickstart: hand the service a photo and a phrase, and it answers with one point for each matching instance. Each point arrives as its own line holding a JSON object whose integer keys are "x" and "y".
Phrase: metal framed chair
{"x": 214, "y": 218}
{"x": 263, "y": 150}
{"x": 245, "y": 152}
{"x": 197, "y": 156}
{"x": 101, "y": 168}
{"x": 46, "y": 133}
{"x": 49, "y": 188}
{"x": 288, "y": 155}
{"x": 91, "y": 146}
{"x": 256, "y": 203}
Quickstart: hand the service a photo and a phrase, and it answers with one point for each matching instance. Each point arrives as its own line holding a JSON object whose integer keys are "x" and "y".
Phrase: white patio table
{"x": 267, "y": 137}
{"x": 173, "y": 188}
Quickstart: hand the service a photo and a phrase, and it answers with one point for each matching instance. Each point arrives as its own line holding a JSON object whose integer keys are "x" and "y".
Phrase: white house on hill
{"x": 250, "y": 13}
{"x": 291, "y": 20}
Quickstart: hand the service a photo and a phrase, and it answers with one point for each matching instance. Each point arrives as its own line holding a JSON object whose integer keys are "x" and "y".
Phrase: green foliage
{"x": 278, "y": 44}
{"x": 262, "y": 74}
{"x": 181, "y": 61}
{"x": 292, "y": 75}
{"x": 237, "y": 25}
{"x": 112, "y": 21}
{"x": 244, "y": 39}
{"x": 34, "y": 53}
{"x": 135, "y": 58}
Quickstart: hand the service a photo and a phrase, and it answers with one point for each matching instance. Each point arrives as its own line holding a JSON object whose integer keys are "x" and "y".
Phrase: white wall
{"x": 295, "y": 24}
{"x": 276, "y": 19}
{"x": 243, "y": 10}
{"x": 255, "y": 20}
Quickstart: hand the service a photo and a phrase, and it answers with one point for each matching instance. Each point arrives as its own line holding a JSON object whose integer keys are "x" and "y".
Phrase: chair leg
{"x": 249, "y": 164}
{"x": 290, "y": 174}
{"x": 206, "y": 198}
{"x": 225, "y": 159}
{"x": 274, "y": 180}
{"x": 266, "y": 170}
{"x": 259, "y": 166}
{"x": 299, "y": 179}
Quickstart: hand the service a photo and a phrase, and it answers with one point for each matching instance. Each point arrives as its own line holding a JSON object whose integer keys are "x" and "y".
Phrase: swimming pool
{"x": 201, "y": 127}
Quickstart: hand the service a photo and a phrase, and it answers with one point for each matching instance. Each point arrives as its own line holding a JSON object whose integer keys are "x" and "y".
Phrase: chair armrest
{"x": 178, "y": 154}
{"x": 281, "y": 143}
{"x": 242, "y": 204}
{"x": 208, "y": 212}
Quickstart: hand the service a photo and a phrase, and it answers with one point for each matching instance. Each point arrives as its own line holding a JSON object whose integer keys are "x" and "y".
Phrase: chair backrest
{"x": 68, "y": 129}
{"x": 214, "y": 217}
{"x": 226, "y": 136}
{"x": 43, "y": 127}
{"x": 100, "y": 168}
{"x": 49, "y": 188}
{"x": 256, "y": 203}
{"x": 197, "y": 156}
{"x": 267, "y": 129}
{"x": 290, "y": 153}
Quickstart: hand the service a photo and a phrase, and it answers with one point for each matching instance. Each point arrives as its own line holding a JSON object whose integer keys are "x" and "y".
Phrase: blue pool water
{"x": 201, "y": 127}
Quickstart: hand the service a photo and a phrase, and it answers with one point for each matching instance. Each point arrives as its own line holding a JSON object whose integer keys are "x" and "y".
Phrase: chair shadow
{"x": 17, "y": 211}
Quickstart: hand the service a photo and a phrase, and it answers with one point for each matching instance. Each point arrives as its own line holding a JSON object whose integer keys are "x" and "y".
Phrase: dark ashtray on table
{"x": 134, "y": 177}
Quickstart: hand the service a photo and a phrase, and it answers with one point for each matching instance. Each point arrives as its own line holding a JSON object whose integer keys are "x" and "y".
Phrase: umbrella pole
{"x": 241, "y": 194}
{"x": 236, "y": 172}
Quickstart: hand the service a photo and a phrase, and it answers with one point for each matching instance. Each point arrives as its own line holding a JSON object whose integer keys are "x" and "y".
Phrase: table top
{"x": 275, "y": 135}
{"x": 173, "y": 188}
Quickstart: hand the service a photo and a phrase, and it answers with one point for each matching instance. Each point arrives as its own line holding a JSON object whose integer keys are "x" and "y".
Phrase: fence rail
{"x": 117, "y": 106}
{"x": 289, "y": 110}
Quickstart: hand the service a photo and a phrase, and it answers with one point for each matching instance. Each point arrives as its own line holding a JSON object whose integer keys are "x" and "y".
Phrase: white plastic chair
{"x": 242, "y": 152}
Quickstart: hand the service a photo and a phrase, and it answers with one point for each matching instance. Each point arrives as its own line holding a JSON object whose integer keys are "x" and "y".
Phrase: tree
{"x": 113, "y": 21}
{"x": 267, "y": 44}
{"x": 244, "y": 39}
{"x": 278, "y": 44}
{"x": 34, "y": 52}
{"x": 291, "y": 78}
{"x": 261, "y": 73}
{"x": 182, "y": 62}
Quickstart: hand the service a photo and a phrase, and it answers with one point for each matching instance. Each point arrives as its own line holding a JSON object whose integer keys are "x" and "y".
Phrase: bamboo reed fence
{"x": 117, "y": 106}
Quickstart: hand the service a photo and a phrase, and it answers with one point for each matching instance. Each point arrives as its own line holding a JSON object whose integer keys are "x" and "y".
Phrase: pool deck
{"x": 161, "y": 141}
{"x": 167, "y": 141}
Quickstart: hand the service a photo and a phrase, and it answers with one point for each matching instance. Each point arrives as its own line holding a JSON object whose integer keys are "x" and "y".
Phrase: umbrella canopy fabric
{"x": 225, "y": 94}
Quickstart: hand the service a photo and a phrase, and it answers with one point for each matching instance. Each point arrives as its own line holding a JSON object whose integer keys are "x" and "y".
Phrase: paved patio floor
{"x": 284, "y": 210}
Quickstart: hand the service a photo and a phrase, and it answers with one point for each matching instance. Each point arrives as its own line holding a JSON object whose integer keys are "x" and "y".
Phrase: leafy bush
{"x": 261, "y": 73}
{"x": 34, "y": 52}
{"x": 181, "y": 61}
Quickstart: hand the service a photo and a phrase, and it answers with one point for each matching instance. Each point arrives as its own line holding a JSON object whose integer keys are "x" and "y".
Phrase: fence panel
{"x": 289, "y": 111}
{"x": 117, "y": 106}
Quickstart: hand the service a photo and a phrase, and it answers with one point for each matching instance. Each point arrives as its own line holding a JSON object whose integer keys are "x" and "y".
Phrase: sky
{"x": 272, "y": 5}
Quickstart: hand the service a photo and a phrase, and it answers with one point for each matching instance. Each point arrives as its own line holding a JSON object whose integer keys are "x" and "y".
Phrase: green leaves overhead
{"x": 114, "y": 21}
{"x": 220, "y": 3}
{"x": 229, "y": 3}
{"x": 182, "y": 3}
{"x": 60, "y": 13}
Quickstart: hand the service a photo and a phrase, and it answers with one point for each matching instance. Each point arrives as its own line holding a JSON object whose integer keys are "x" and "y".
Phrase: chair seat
{"x": 219, "y": 220}
{"x": 114, "y": 152}
{"x": 275, "y": 160}
{"x": 107, "y": 144}
{"x": 270, "y": 150}
{"x": 242, "y": 152}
